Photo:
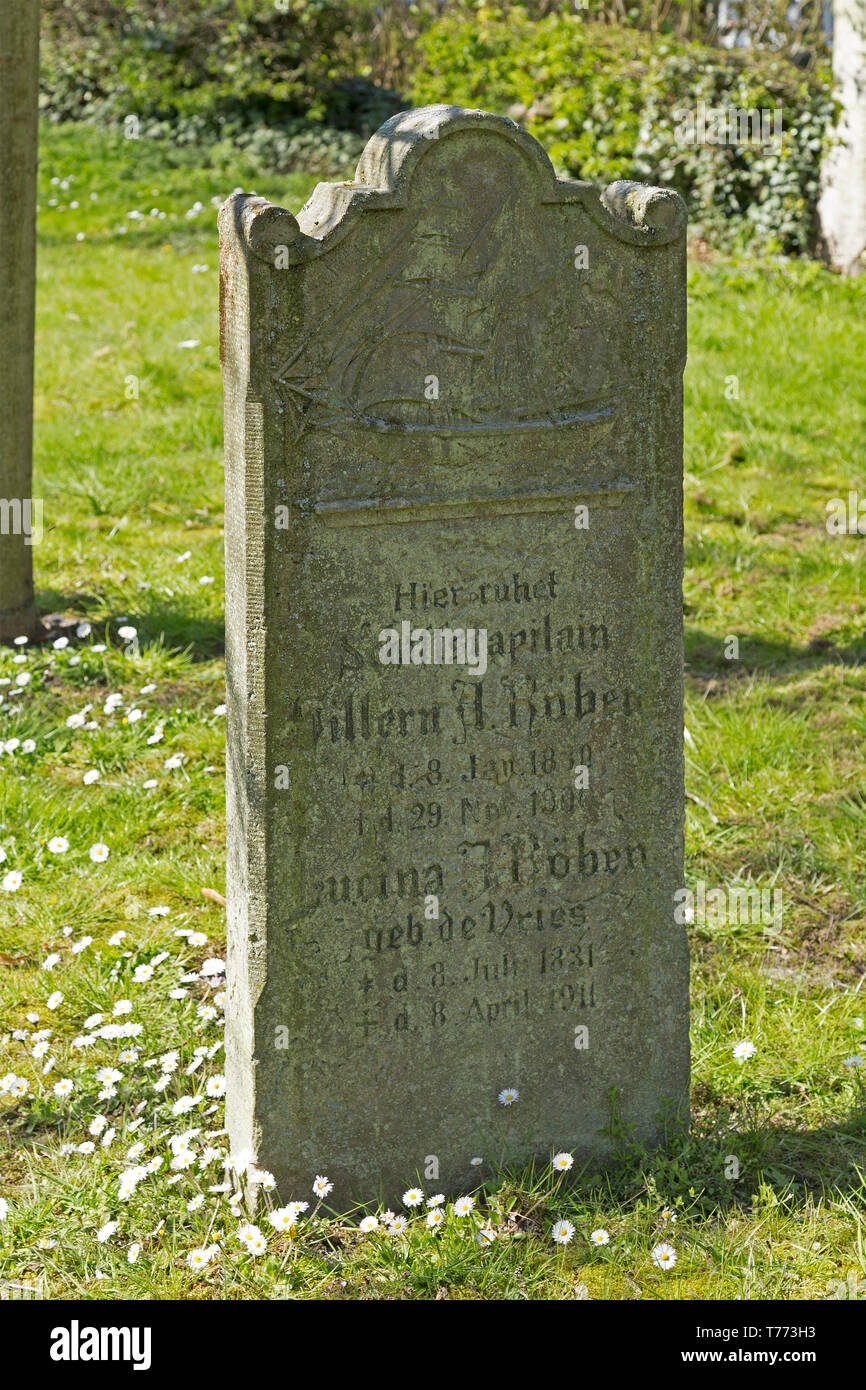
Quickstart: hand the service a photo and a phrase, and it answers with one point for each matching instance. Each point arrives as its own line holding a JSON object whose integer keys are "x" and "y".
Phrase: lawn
{"x": 112, "y": 820}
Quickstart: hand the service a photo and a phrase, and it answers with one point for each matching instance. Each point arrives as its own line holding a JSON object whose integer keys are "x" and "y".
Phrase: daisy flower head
{"x": 284, "y": 1218}
{"x": 54, "y": 1000}
{"x": 63, "y": 1088}
{"x": 133, "y": 1252}
{"x": 664, "y": 1255}
{"x": 509, "y": 1095}
{"x": 463, "y": 1206}
{"x": 413, "y": 1197}
{"x": 184, "y": 1105}
{"x": 216, "y": 1086}
{"x": 12, "y": 881}
{"x": 562, "y": 1232}
{"x": 562, "y": 1162}
{"x": 435, "y": 1218}
{"x": 263, "y": 1179}
{"x": 129, "y": 1181}
{"x": 397, "y": 1225}
{"x": 744, "y": 1050}
{"x": 239, "y": 1162}
{"x": 486, "y": 1236}
{"x": 99, "y": 852}
{"x": 58, "y": 844}
{"x": 600, "y": 1237}
{"x": 321, "y": 1187}
{"x": 199, "y": 1258}
{"x": 369, "y": 1223}
{"x": 436, "y": 1201}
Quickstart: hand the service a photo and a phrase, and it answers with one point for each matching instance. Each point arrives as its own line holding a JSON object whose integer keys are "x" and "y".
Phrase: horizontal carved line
{"x": 375, "y": 510}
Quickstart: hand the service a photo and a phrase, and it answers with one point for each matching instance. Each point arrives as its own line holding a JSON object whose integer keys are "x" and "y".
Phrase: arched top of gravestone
{"x": 395, "y": 170}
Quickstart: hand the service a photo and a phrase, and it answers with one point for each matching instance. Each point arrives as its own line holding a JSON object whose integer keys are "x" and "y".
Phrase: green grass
{"x": 768, "y": 1189}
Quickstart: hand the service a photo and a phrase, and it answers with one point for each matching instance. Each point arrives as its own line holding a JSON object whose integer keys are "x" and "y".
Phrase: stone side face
{"x": 21, "y": 520}
{"x": 453, "y": 406}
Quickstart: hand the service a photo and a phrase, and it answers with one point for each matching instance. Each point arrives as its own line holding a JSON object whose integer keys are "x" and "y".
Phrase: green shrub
{"x": 609, "y": 103}
{"x": 207, "y": 62}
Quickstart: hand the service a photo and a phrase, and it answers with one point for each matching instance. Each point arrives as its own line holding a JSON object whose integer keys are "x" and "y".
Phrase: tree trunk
{"x": 19, "y": 108}
{"x": 842, "y": 207}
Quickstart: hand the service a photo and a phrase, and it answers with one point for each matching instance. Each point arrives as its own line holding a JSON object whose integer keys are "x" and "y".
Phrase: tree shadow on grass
{"x": 757, "y": 655}
{"x": 174, "y": 623}
{"x": 726, "y": 1160}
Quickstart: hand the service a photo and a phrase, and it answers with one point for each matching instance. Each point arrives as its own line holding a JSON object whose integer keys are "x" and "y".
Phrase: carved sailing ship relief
{"x": 423, "y": 365}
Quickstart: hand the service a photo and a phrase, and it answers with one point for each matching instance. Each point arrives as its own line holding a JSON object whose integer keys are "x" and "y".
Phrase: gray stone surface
{"x": 453, "y": 401}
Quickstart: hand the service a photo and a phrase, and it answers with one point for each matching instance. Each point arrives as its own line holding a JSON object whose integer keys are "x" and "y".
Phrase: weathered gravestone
{"x": 453, "y": 552}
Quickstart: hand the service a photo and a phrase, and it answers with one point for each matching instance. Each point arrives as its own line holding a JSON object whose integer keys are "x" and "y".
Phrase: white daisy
{"x": 665, "y": 1256}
